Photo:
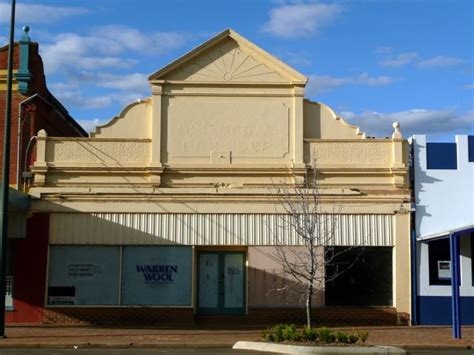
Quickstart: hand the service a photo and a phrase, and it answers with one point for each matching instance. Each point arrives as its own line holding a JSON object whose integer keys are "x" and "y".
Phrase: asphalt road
{"x": 442, "y": 352}
{"x": 187, "y": 352}
{"x": 127, "y": 352}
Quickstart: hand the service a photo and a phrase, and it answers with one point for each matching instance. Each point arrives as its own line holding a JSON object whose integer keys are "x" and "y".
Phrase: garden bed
{"x": 290, "y": 334}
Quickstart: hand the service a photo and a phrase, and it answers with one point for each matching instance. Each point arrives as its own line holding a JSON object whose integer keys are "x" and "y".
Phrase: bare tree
{"x": 304, "y": 267}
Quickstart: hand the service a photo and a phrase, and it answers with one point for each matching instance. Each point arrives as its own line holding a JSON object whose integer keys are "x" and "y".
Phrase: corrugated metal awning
{"x": 18, "y": 205}
{"x": 212, "y": 229}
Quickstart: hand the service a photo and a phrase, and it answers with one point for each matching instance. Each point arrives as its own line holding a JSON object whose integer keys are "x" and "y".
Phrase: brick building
{"x": 33, "y": 108}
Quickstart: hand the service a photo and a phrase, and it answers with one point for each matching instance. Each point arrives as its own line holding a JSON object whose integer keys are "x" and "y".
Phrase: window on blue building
{"x": 472, "y": 257}
{"x": 470, "y": 147}
{"x": 439, "y": 262}
{"x": 441, "y": 156}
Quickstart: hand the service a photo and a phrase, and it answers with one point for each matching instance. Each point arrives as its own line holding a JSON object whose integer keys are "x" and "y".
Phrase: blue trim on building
{"x": 470, "y": 148}
{"x": 436, "y": 310}
{"x": 455, "y": 283}
{"x": 441, "y": 156}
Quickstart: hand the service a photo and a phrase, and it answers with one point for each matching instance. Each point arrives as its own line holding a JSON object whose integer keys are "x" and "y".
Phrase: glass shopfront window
{"x": 156, "y": 275}
{"x": 364, "y": 276}
{"x": 90, "y": 275}
{"x": 83, "y": 275}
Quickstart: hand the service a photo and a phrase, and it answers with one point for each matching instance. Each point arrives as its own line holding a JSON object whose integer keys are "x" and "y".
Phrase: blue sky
{"x": 373, "y": 62}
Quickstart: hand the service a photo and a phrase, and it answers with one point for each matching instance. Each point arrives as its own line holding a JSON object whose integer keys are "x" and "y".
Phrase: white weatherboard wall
{"x": 444, "y": 201}
{"x": 444, "y": 198}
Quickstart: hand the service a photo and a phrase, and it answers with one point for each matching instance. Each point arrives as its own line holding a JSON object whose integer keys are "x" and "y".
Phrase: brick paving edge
{"x": 115, "y": 345}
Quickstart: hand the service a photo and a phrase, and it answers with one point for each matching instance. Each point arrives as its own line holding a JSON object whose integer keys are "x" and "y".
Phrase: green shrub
{"x": 363, "y": 336}
{"x": 278, "y": 332}
{"x": 267, "y": 335}
{"x": 353, "y": 338}
{"x": 326, "y": 335}
{"x": 309, "y": 334}
{"x": 342, "y": 337}
{"x": 290, "y": 333}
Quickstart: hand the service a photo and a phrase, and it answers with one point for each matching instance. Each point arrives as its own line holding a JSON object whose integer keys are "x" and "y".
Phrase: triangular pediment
{"x": 229, "y": 57}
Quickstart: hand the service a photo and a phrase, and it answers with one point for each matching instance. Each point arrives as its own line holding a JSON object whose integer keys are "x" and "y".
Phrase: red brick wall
{"x": 30, "y": 272}
{"x": 118, "y": 315}
{"x": 327, "y": 316}
{"x": 31, "y": 253}
{"x": 331, "y": 315}
{"x": 36, "y": 114}
{"x": 4, "y": 57}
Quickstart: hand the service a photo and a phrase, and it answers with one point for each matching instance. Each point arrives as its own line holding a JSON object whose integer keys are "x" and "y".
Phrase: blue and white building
{"x": 443, "y": 188}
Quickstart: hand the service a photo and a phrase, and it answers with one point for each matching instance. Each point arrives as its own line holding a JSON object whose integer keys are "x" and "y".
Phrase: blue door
{"x": 221, "y": 283}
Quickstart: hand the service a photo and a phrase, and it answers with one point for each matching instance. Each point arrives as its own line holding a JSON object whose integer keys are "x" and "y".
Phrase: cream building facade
{"x": 170, "y": 208}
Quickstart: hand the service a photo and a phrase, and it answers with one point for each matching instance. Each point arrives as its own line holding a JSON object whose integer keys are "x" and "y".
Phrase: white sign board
{"x": 444, "y": 269}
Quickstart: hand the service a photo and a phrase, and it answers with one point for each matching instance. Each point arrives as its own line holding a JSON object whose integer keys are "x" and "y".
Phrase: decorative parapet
{"x": 361, "y": 157}
{"x": 400, "y": 156}
{"x": 336, "y": 153}
{"x": 97, "y": 152}
{"x": 82, "y": 161}
{"x": 41, "y": 167}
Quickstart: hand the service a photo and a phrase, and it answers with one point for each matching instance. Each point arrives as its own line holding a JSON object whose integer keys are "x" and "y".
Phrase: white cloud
{"x": 77, "y": 99}
{"x": 439, "y": 61}
{"x": 108, "y": 47}
{"x": 414, "y": 121}
{"x": 322, "y": 83}
{"x": 135, "y": 40}
{"x": 469, "y": 86}
{"x": 399, "y": 60}
{"x": 300, "y": 20}
{"x": 38, "y": 13}
{"x": 383, "y": 50}
{"x": 133, "y": 82}
{"x": 89, "y": 125}
{"x": 299, "y": 58}
{"x": 390, "y": 59}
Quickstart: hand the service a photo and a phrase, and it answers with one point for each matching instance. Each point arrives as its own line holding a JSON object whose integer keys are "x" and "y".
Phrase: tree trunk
{"x": 309, "y": 299}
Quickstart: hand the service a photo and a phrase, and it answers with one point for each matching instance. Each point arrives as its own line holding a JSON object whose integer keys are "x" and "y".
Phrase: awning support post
{"x": 455, "y": 282}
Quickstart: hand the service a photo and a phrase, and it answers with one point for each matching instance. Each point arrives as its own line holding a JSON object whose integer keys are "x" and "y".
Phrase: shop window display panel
{"x": 365, "y": 277}
{"x": 83, "y": 275}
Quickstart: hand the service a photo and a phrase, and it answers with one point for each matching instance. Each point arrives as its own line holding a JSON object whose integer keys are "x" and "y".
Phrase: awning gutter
{"x": 446, "y": 233}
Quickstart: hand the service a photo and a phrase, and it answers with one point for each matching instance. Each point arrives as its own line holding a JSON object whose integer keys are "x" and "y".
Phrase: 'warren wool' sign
{"x": 158, "y": 273}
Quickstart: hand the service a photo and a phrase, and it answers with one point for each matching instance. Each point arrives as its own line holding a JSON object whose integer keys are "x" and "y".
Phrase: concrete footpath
{"x": 63, "y": 337}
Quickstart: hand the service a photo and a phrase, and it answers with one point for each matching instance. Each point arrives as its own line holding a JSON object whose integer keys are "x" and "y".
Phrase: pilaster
{"x": 298, "y": 126}
{"x": 155, "y": 168}
{"x": 401, "y": 264}
{"x": 41, "y": 166}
